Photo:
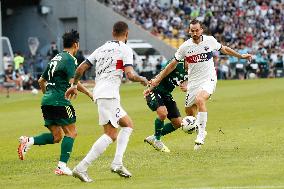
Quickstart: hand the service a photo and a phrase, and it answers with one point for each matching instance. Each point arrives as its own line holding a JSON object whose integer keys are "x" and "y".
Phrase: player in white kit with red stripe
{"x": 111, "y": 60}
{"x": 202, "y": 79}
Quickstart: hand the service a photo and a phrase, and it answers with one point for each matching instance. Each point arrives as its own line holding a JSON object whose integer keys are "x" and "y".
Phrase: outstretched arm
{"x": 84, "y": 90}
{"x": 72, "y": 91}
{"x": 168, "y": 69}
{"x": 228, "y": 51}
{"x": 132, "y": 76}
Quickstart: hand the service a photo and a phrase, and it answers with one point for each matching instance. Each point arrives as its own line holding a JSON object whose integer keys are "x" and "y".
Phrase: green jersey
{"x": 57, "y": 74}
{"x": 175, "y": 78}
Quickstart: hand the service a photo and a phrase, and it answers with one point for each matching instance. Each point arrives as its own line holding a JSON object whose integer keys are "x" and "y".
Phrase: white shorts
{"x": 193, "y": 88}
{"x": 110, "y": 111}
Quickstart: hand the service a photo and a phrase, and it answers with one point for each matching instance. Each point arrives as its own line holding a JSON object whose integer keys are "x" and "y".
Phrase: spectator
{"x": 11, "y": 77}
{"x": 248, "y": 21}
{"x": 53, "y": 50}
{"x": 18, "y": 59}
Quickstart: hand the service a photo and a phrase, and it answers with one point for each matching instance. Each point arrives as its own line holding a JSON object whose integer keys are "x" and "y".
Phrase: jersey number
{"x": 51, "y": 70}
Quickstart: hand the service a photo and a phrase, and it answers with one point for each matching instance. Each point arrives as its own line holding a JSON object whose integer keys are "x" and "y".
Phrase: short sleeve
{"x": 128, "y": 57}
{"x": 70, "y": 68}
{"x": 215, "y": 44}
{"x": 92, "y": 58}
{"x": 179, "y": 55}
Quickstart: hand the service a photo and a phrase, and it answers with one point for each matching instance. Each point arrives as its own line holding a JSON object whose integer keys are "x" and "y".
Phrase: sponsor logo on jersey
{"x": 199, "y": 57}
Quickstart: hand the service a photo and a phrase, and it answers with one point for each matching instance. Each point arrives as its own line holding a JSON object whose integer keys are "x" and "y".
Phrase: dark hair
{"x": 195, "y": 21}
{"x": 69, "y": 38}
{"x": 119, "y": 28}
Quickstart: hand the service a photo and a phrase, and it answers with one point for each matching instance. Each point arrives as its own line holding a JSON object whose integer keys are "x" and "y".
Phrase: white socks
{"x": 31, "y": 141}
{"x": 61, "y": 164}
{"x": 97, "y": 149}
{"x": 100, "y": 146}
{"x": 202, "y": 120}
{"x": 122, "y": 141}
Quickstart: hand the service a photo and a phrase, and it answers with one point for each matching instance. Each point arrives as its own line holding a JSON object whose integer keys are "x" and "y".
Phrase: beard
{"x": 195, "y": 37}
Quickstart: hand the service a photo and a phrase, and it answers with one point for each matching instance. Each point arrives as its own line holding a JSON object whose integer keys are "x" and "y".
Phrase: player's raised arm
{"x": 228, "y": 51}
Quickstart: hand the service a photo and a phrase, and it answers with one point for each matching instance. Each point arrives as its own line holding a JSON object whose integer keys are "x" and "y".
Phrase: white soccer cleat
{"x": 120, "y": 170}
{"x": 157, "y": 144}
{"x": 150, "y": 139}
{"x": 160, "y": 146}
{"x": 63, "y": 170}
{"x": 197, "y": 147}
{"x": 82, "y": 175}
{"x": 23, "y": 147}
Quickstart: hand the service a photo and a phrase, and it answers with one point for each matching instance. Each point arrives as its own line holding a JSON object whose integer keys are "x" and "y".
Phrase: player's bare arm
{"x": 82, "y": 89}
{"x": 231, "y": 52}
{"x": 72, "y": 91}
{"x": 42, "y": 84}
{"x": 132, "y": 76}
{"x": 168, "y": 69}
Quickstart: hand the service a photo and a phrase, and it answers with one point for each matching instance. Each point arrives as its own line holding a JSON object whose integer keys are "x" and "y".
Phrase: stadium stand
{"x": 255, "y": 26}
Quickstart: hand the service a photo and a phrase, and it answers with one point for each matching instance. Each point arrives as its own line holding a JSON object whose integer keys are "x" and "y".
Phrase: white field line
{"x": 237, "y": 187}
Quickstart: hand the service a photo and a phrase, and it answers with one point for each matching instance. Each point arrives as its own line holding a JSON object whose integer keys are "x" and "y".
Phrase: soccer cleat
{"x": 157, "y": 144}
{"x": 150, "y": 139}
{"x": 160, "y": 146}
{"x": 23, "y": 147}
{"x": 63, "y": 170}
{"x": 200, "y": 140}
{"x": 83, "y": 176}
{"x": 120, "y": 170}
{"x": 197, "y": 147}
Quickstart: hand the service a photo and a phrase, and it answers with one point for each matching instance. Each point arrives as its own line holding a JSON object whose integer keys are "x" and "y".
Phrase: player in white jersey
{"x": 202, "y": 79}
{"x": 111, "y": 60}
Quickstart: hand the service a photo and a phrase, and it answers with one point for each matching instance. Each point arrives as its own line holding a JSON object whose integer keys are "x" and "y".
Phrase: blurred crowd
{"x": 22, "y": 71}
{"x": 251, "y": 26}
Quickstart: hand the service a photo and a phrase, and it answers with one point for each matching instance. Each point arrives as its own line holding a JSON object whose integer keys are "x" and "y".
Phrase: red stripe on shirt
{"x": 119, "y": 65}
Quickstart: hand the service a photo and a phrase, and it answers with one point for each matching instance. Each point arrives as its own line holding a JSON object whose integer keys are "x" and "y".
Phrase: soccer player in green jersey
{"x": 59, "y": 114}
{"x": 161, "y": 100}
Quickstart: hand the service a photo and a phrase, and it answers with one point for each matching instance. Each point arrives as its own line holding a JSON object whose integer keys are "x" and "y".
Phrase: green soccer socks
{"x": 44, "y": 138}
{"x": 168, "y": 128}
{"x": 159, "y": 124}
{"x": 66, "y": 148}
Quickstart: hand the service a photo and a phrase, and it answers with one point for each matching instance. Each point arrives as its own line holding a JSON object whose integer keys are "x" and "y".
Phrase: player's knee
{"x": 73, "y": 134}
{"x": 162, "y": 116}
{"x": 57, "y": 138}
{"x": 199, "y": 101}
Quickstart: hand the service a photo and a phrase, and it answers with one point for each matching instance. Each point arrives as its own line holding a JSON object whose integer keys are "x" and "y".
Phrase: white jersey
{"x": 110, "y": 60}
{"x": 199, "y": 58}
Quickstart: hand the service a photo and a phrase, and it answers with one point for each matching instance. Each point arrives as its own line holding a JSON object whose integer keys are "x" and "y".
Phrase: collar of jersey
{"x": 69, "y": 54}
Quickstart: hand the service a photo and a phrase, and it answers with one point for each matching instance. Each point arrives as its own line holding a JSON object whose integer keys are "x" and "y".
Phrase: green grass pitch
{"x": 248, "y": 152}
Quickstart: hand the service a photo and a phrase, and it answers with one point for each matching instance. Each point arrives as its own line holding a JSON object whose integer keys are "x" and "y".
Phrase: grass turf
{"x": 243, "y": 149}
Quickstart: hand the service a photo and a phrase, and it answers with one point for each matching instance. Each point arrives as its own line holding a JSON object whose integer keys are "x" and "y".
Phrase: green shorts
{"x": 58, "y": 115}
{"x": 157, "y": 99}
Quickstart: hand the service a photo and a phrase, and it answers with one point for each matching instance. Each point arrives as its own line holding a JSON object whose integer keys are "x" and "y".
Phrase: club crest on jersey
{"x": 206, "y": 48}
